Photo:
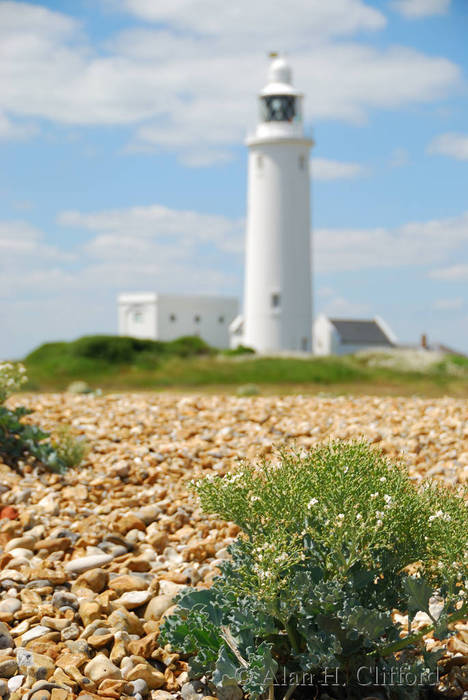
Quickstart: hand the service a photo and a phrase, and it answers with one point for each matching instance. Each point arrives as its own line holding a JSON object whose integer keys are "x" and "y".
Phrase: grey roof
{"x": 360, "y": 332}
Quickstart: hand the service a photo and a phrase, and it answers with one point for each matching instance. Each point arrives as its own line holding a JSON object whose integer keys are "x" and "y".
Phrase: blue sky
{"x": 123, "y": 165}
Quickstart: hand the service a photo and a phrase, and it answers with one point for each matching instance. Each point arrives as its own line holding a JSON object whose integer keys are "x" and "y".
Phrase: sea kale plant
{"x": 332, "y": 543}
{"x": 20, "y": 441}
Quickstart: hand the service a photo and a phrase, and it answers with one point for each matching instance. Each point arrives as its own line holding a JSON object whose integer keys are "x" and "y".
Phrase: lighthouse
{"x": 277, "y": 296}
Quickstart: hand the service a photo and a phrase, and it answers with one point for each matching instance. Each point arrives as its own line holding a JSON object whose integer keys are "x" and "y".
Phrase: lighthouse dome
{"x": 280, "y": 71}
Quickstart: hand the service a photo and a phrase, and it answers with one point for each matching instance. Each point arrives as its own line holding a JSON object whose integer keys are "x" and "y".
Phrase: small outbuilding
{"x": 343, "y": 336}
{"x": 169, "y": 316}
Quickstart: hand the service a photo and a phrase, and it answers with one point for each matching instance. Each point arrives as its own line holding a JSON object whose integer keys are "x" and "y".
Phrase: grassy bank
{"x": 113, "y": 363}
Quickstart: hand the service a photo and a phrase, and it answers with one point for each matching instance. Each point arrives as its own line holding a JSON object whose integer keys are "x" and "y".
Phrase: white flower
{"x": 387, "y": 498}
{"x": 379, "y": 513}
{"x": 312, "y": 502}
{"x": 374, "y": 495}
{"x": 358, "y": 516}
{"x": 383, "y": 478}
{"x": 440, "y": 514}
{"x": 341, "y": 516}
{"x": 379, "y": 523}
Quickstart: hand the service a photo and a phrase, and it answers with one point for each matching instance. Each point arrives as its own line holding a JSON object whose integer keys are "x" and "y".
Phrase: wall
{"x": 137, "y": 315}
{"x": 322, "y": 336}
{"x": 185, "y": 310}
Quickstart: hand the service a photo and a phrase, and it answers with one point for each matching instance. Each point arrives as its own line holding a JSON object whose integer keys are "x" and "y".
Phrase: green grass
{"x": 117, "y": 363}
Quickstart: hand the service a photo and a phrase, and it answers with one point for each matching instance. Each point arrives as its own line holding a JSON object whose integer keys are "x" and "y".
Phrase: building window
{"x": 172, "y": 318}
{"x": 197, "y": 318}
{"x": 221, "y": 319}
{"x": 137, "y": 315}
{"x": 302, "y": 162}
{"x": 276, "y": 300}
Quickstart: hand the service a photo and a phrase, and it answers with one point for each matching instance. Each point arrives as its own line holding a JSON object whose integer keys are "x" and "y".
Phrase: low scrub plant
{"x": 332, "y": 543}
{"x": 70, "y": 450}
{"x": 20, "y": 441}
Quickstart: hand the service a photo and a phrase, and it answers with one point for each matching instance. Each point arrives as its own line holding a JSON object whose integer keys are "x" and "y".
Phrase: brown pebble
{"x": 129, "y": 522}
{"x": 126, "y": 583}
{"x": 95, "y": 579}
{"x": 89, "y": 611}
{"x": 53, "y": 544}
{"x": 59, "y": 694}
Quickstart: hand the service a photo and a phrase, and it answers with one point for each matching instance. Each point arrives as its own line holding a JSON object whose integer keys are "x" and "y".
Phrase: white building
{"x": 278, "y": 297}
{"x": 167, "y": 316}
{"x": 333, "y": 336}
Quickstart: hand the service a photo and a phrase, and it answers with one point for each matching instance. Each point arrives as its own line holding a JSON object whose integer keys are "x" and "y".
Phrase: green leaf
{"x": 227, "y": 668}
{"x": 419, "y": 592}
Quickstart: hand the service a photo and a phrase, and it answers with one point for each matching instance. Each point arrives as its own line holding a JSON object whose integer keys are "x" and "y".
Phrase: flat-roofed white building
{"x": 168, "y": 316}
{"x": 344, "y": 336}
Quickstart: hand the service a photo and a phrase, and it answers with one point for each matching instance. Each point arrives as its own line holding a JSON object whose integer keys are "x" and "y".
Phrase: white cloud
{"x": 451, "y": 273}
{"x": 418, "y": 243}
{"x": 304, "y": 19}
{"x": 14, "y": 132}
{"x": 448, "y": 304}
{"x": 19, "y": 240}
{"x": 451, "y": 144}
{"x": 326, "y": 169}
{"x": 137, "y": 227}
{"x": 191, "y": 86}
{"x": 415, "y": 9}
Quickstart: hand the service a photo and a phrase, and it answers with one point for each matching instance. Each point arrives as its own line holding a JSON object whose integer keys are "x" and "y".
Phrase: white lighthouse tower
{"x": 278, "y": 296}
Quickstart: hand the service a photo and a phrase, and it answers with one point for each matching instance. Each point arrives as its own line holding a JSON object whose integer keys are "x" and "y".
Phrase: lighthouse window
{"x": 278, "y": 108}
{"x": 259, "y": 162}
{"x": 276, "y": 300}
{"x": 197, "y": 318}
{"x": 302, "y": 162}
{"x": 172, "y": 318}
{"x": 221, "y": 319}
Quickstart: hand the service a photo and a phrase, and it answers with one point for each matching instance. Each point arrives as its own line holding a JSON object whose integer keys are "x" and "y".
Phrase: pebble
{"x": 127, "y": 583}
{"x": 40, "y": 695}
{"x": 71, "y": 632}
{"x": 6, "y": 640}
{"x": 193, "y": 690}
{"x": 91, "y": 561}
{"x": 8, "y": 668}
{"x": 158, "y": 606}
{"x": 15, "y": 682}
{"x": 95, "y": 579}
{"x": 144, "y": 671}
{"x": 63, "y": 599}
{"x": 34, "y": 633}
{"x": 78, "y": 566}
{"x": 40, "y": 666}
{"x": 139, "y": 686}
{"x": 101, "y": 668}
{"x": 133, "y": 599}
{"x": 10, "y": 605}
